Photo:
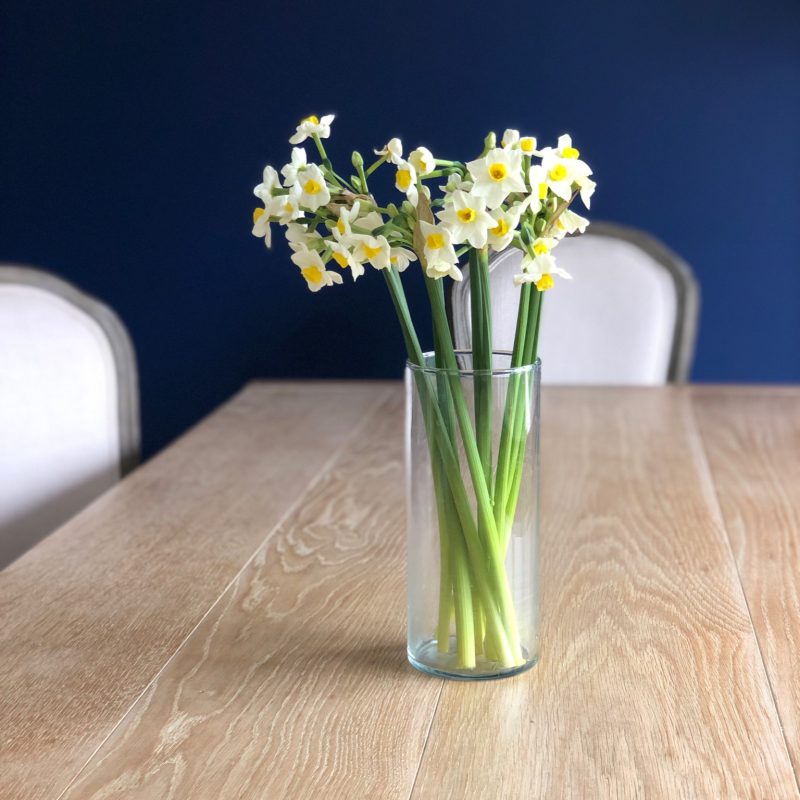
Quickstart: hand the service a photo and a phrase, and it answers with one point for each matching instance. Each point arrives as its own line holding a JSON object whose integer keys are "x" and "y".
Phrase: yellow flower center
{"x": 435, "y": 241}
{"x": 527, "y": 144}
{"x": 501, "y": 229}
{"x": 371, "y": 252}
{"x": 311, "y": 187}
{"x": 545, "y": 282}
{"x": 340, "y": 258}
{"x": 560, "y": 225}
{"x": 312, "y": 119}
{"x": 403, "y": 179}
{"x": 540, "y": 248}
{"x": 392, "y": 259}
{"x": 558, "y": 173}
{"x": 570, "y": 152}
{"x": 288, "y": 207}
{"x": 257, "y": 214}
{"x": 340, "y": 226}
{"x": 498, "y": 171}
{"x": 466, "y": 214}
{"x": 312, "y": 274}
{"x": 542, "y": 191}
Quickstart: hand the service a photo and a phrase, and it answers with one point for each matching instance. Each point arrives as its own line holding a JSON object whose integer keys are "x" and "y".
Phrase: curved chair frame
{"x": 687, "y": 295}
{"x": 121, "y": 348}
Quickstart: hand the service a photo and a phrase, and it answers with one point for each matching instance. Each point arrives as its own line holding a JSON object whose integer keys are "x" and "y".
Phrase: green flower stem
{"x": 446, "y": 578}
{"x": 512, "y": 446}
{"x": 482, "y": 355}
{"x": 447, "y": 573}
{"x": 510, "y": 414}
{"x": 359, "y": 165}
{"x": 479, "y": 623}
{"x": 454, "y": 586}
{"x": 438, "y": 173}
{"x": 487, "y": 529}
{"x": 467, "y": 640}
{"x": 531, "y": 349}
{"x": 488, "y": 573}
{"x": 375, "y": 166}
{"x": 328, "y": 167}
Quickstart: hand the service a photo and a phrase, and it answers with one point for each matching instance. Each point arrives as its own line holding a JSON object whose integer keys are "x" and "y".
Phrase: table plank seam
{"x": 705, "y": 467}
{"x": 427, "y": 737}
{"x": 313, "y": 483}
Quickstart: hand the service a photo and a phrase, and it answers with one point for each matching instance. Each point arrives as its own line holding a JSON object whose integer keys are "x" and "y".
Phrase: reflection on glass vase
{"x": 472, "y": 490}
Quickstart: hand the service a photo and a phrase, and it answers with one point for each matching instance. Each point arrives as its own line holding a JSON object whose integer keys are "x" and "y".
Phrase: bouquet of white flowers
{"x": 513, "y": 195}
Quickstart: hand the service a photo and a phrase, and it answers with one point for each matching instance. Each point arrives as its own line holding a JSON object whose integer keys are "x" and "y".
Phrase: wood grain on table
{"x": 752, "y": 438}
{"x": 230, "y": 620}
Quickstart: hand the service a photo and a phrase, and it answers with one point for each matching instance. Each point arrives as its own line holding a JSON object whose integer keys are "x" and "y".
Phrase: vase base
{"x": 427, "y": 658}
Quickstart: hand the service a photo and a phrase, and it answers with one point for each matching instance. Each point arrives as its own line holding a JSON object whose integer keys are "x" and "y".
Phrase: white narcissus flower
{"x": 313, "y": 190}
{"x": 496, "y": 175}
{"x": 510, "y": 137}
{"x": 374, "y": 249}
{"x": 347, "y": 217}
{"x": 270, "y": 181}
{"x": 261, "y": 226}
{"x": 527, "y": 144}
{"x": 540, "y": 269}
{"x": 422, "y": 160}
{"x": 344, "y": 258}
{"x": 392, "y": 151}
{"x": 467, "y": 219}
{"x": 564, "y": 168}
{"x": 440, "y": 257}
{"x": 300, "y": 238}
{"x": 369, "y": 221}
{"x": 559, "y": 176}
{"x": 454, "y": 183}
{"x": 505, "y": 226}
{"x": 291, "y": 170}
{"x": 587, "y": 187}
{"x": 311, "y": 126}
{"x": 563, "y": 149}
{"x": 569, "y": 222}
{"x": 537, "y": 178}
{"x": 286, "y": 207}
{"x": 405, "y": 180}
{"x": 542, "y": 281}
{"x": 313, "y": 270}
{"x": 401, "y": 257}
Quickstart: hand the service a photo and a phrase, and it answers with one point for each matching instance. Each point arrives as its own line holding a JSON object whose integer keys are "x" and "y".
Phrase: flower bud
{"x": 538, "y": 225}
{"x": 490, "y": 142}
{"x": 358, "y": 161}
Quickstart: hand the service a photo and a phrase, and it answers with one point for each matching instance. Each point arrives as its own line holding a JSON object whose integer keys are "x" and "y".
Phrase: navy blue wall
{"x": 132, "y": 134}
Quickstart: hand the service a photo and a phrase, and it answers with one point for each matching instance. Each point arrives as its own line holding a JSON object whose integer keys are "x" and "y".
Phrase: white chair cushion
{"x": 613, "y": 324}
{"x": 59, "y": 427}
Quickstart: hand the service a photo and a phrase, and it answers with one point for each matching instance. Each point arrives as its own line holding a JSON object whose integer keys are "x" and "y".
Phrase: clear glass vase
{"x": 472, "y": 490}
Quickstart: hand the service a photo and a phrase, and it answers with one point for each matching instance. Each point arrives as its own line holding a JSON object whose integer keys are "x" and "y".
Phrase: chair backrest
{"x": 69, "y": 410}
{"x": 628, "y": 317}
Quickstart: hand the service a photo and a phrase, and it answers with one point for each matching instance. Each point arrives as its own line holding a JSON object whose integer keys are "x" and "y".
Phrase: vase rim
{"x": 495, "y": 371}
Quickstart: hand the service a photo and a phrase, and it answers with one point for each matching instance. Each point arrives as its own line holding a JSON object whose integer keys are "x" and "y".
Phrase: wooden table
{"x": 229, "y": 621}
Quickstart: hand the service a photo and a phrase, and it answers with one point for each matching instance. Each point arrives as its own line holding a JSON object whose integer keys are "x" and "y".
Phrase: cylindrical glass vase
{"x": 472, "y": 491}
